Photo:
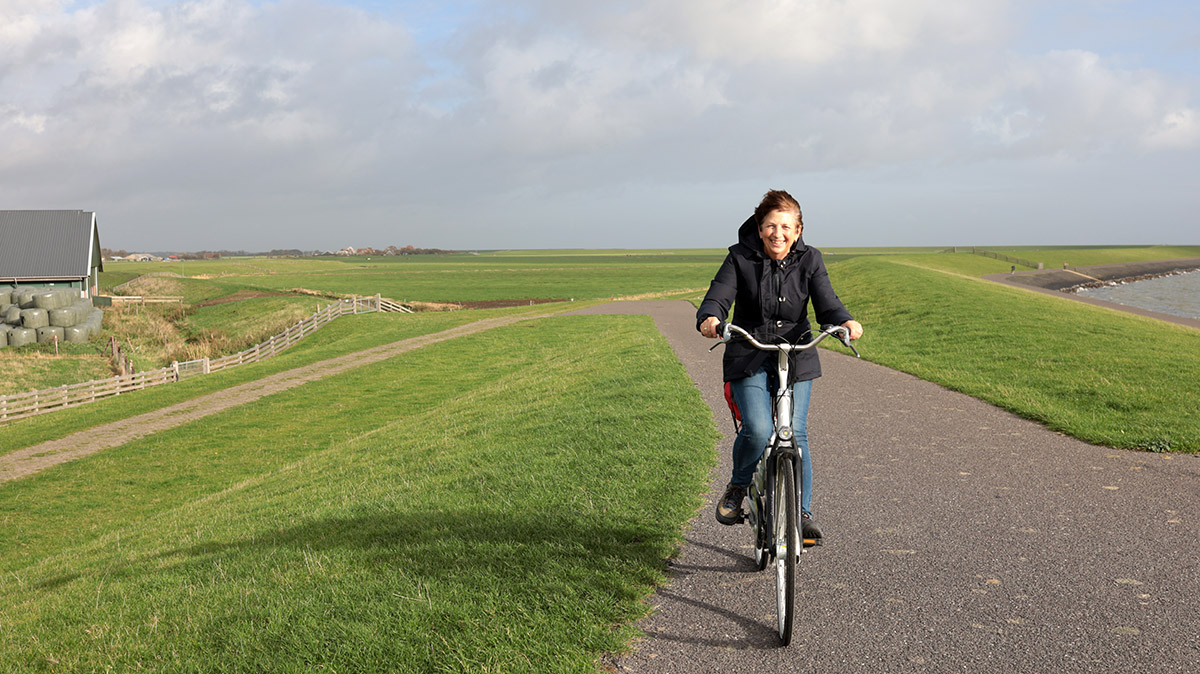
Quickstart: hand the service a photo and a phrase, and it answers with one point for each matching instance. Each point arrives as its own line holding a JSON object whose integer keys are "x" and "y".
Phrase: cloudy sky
{"x": 656, "y": 123}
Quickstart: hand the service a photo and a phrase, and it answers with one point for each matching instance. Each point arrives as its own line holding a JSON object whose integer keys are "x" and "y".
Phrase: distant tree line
{"x": 401, "y": 250}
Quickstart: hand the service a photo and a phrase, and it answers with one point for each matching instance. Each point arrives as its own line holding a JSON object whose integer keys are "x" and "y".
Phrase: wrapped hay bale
{"x": 63, "y": 317}
{"x": 48, "y": 334}
{"x": 58, "y": 298}
{"x": 35, "y": 318}
{"x": 77, "y": 334}
{"x": 3, "y": 337}
{"x": 21, "y": 336}
{"x": 13, "y": 315}
{"x": 5, "y": 295}
{"x": 24, "y": 297}
{"x": 91, "y": 323}
{"x": 72, "y": 315}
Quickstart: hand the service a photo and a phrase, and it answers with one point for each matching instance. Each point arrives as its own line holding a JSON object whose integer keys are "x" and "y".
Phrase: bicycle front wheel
{"x": 762, "y": 537}
{"x": 787, "y": 547}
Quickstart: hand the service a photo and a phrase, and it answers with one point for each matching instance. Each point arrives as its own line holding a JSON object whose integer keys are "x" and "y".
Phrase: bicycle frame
{"x": 782, "y": 446}
{"x": 780, "y": 449}
{"x": 780, "y": 540}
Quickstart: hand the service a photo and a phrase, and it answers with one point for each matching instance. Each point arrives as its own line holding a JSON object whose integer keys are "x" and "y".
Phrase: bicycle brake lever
{"x": 843, "y": 336}
{"x": 856, "y": 354}
{"x": 724, "y": 332}
{"x": 845, "y": 339}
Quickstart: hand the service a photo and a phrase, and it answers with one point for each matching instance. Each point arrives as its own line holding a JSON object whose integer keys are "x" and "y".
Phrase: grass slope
{"x": 344, "y": 335}
{"x": 1101, "y": 375}
{"x": 415, "y": 516}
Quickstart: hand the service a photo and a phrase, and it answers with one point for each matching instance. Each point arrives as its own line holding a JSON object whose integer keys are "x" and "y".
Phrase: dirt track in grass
{"x": 30, "y": 460}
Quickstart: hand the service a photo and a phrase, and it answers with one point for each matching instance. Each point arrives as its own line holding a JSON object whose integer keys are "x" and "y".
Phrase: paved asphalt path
{"x": 960, "y": 538}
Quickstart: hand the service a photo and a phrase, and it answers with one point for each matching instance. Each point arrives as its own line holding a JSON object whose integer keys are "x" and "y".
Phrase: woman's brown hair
{"x": 778, "y": 200}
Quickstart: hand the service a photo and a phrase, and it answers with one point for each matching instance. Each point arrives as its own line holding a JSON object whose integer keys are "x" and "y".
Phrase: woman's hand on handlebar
{"x": 709, "y": 327}
{"x": 855, "y": 329}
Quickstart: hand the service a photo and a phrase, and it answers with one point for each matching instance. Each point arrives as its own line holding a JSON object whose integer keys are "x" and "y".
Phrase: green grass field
{"x": 456, "y": 508}
{"x": 466, "y": 278}
{"x": 344, "y": 335}
{"x": 451, "y": 509}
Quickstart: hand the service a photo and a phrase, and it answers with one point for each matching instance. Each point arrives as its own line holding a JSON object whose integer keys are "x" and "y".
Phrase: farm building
{"x": 50, "y": 249}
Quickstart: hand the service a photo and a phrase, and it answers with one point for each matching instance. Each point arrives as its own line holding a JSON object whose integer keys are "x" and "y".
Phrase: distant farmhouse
{"x": 138, "y": 257}
{"x": 50, "y": 249}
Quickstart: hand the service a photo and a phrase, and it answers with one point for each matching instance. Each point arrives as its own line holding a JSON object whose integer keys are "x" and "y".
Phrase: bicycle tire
{"x": 762, "y": 538}
{"x": 787, "y": 547}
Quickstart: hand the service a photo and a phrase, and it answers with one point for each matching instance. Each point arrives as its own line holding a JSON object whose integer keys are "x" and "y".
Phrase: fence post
{"x": 204, "y": 365}
{"x": 175, "y": 370}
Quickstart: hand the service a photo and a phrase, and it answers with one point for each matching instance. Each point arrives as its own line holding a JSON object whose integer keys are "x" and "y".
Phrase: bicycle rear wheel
{"x": 787, "y": 546}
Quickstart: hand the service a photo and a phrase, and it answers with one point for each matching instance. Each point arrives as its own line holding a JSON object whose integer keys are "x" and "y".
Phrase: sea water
{"x": 1178, "y": 294}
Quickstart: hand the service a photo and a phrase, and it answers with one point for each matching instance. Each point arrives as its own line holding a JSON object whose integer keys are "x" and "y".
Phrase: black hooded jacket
{"x": 772, "y": 302}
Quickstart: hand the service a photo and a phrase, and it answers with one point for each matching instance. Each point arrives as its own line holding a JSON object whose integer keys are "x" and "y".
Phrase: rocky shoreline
{"x": 1068, "y": 279}
{"x": 1065, "y": 282}
{"x": 1122, "y": 281}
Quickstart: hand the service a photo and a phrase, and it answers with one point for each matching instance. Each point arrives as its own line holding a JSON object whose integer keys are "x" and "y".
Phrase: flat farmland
{"x": 464, "y": 278}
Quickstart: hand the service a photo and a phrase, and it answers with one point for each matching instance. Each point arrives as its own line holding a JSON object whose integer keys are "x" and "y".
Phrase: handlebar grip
{"x": 843, "y": 335}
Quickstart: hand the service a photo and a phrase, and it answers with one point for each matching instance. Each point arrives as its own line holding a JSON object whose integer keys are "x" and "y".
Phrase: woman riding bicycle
{"x": 772, "y": 275}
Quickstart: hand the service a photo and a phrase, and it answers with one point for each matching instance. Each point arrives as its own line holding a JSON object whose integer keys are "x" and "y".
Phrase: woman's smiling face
{"x": 779, "y": 230}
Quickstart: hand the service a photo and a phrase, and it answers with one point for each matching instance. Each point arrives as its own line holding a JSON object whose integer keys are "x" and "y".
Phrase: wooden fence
{"x": 994, "y": 255}
{"x": 126, "y": 285}
{"x": 122, "y": 300}
{"x": 21, "y": 405}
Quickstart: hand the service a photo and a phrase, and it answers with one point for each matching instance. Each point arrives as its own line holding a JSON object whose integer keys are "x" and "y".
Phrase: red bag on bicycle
{"x": 733, "y": 408}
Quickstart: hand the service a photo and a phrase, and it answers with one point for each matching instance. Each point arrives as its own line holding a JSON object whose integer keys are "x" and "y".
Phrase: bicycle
{"x": 774, "y": 494}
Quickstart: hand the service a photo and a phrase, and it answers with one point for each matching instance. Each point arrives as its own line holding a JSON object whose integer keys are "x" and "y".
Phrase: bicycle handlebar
{"x": 726, "y": 330}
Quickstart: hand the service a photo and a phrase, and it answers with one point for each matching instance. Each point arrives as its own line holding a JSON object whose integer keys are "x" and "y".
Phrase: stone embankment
{"x": 1068, "y": 278}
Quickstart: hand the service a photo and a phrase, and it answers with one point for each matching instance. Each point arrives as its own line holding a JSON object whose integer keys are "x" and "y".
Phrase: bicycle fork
{"x": 762, "y": 488}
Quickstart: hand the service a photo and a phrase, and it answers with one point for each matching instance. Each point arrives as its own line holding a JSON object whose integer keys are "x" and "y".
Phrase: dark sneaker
{"x": 729, "y": 508}
{"x": 809, "y": 531}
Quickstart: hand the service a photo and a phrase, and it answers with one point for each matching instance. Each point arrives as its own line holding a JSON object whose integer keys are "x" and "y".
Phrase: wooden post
{"x": 175, "y": 370}
{"x": 204, "y": 365}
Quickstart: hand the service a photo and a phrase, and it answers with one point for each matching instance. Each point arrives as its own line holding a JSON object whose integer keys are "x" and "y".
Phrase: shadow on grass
{"x": 485, "y": 543}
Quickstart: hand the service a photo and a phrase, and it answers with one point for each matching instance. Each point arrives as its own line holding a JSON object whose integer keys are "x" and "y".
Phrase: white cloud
{"x": 556, "y": 96}
{"x": 304, "y": 104}
{"x": 1178, "y": 129}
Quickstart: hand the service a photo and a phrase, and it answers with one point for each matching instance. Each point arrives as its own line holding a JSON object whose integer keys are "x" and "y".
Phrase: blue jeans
{"x": 753, "y": 396}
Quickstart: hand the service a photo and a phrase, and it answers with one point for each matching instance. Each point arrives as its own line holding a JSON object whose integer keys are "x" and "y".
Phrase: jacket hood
{"x": 751, "y": 242}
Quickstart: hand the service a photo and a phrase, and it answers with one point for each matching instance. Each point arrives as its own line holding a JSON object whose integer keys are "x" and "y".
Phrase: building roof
{"x": 48, "y": 245}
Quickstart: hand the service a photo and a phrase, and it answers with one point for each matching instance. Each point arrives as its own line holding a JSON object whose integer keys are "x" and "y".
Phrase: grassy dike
{"x": 1104, "y": 376}
{"x": 344, "y": 335}
{"x": 497, "y": 502}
